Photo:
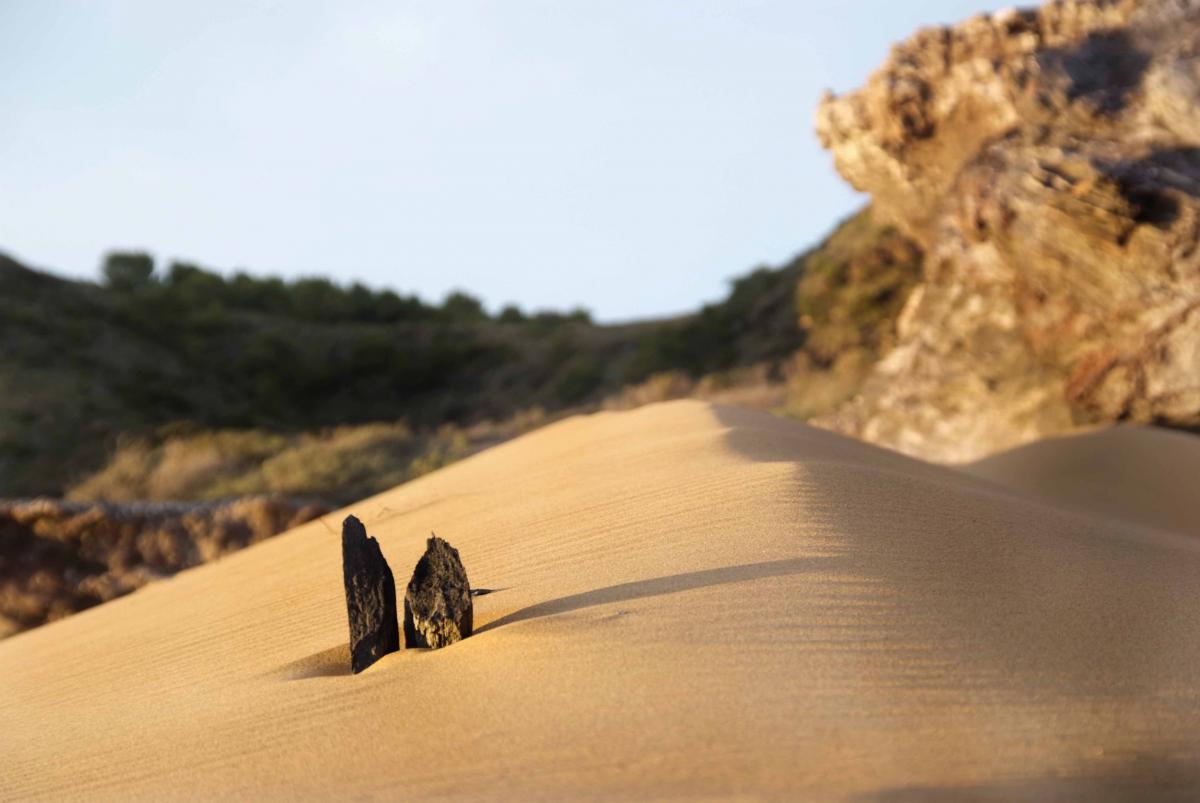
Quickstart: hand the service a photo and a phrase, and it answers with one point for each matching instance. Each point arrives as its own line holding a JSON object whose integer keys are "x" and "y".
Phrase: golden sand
{"x": 696, "y": 601}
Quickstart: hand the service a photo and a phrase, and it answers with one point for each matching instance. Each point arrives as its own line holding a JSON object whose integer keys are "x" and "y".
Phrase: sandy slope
{"x": 698, "y": 602}
{"x": 1137, "y": 473}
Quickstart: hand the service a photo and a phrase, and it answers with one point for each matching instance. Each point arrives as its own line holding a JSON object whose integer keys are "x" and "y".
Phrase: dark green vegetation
{"x": 849, "y": 293}
{"x": 253, "y": 370}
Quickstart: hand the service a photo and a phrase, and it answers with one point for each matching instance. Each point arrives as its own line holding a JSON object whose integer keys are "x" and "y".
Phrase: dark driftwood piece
{"x": 437, "y": 604}
{"x": 370, "y": 597}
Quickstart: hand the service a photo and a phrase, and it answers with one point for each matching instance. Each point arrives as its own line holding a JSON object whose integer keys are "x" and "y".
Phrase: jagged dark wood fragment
{"x": 370, "y": 597}
{"x": 437, "y": 605}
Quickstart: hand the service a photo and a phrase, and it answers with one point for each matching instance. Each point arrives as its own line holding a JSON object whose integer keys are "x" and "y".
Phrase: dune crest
{"x": 692, "y": 600}
{"x": 1140, "y": 474}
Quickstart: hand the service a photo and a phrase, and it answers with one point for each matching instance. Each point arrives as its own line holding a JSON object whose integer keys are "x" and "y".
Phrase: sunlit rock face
{"x": 1049, "y": 163}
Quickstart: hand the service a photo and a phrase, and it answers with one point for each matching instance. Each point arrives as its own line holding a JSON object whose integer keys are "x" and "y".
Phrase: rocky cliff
{"x": 1048, "y": 162}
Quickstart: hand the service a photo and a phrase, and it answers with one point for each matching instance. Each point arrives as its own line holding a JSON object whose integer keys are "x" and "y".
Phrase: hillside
{"x": 186, "y": 355}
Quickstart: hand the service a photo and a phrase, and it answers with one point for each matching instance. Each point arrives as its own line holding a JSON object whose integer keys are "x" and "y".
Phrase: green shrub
{"x": 462, "y": 308}
{"x": 511, "y": 314}
{"x": 127, "y": 270}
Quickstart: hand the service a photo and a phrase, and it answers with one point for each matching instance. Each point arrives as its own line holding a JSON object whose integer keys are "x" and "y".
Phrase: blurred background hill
{"x": 179, "y": 383}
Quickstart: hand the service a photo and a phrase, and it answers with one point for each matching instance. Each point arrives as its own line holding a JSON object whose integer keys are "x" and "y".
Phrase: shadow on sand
{"x": 657, "y": 586}
{"x": 1138, "y": 778}
{"x": 333, "y": 662}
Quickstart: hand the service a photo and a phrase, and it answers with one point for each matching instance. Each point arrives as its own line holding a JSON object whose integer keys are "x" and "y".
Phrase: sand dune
{"x": 1136, "y": 473}
{"x": 697, "y": 601}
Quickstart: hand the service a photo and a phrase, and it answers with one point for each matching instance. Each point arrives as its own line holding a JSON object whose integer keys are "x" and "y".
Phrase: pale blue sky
{"x": 629, "y": 156}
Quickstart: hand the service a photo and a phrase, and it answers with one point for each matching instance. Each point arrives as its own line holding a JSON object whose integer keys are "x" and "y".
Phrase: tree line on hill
{"x": 88, "y": 366}
{"x": 313, "y": 298}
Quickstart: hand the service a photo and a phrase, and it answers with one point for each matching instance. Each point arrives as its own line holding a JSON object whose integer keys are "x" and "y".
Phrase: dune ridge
{"x": 1140, "y": 474}
{"x": 694, "y": 600}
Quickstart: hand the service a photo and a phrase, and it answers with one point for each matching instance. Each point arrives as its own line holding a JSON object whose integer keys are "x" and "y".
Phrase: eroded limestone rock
{"x": 1048, "y": 162}
{"x": 58, "y": 557}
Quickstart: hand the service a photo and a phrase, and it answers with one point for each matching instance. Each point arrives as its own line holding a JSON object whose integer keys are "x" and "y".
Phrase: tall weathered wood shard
{"x": 437, "y": 604}
{"x": 370, "y": 597}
